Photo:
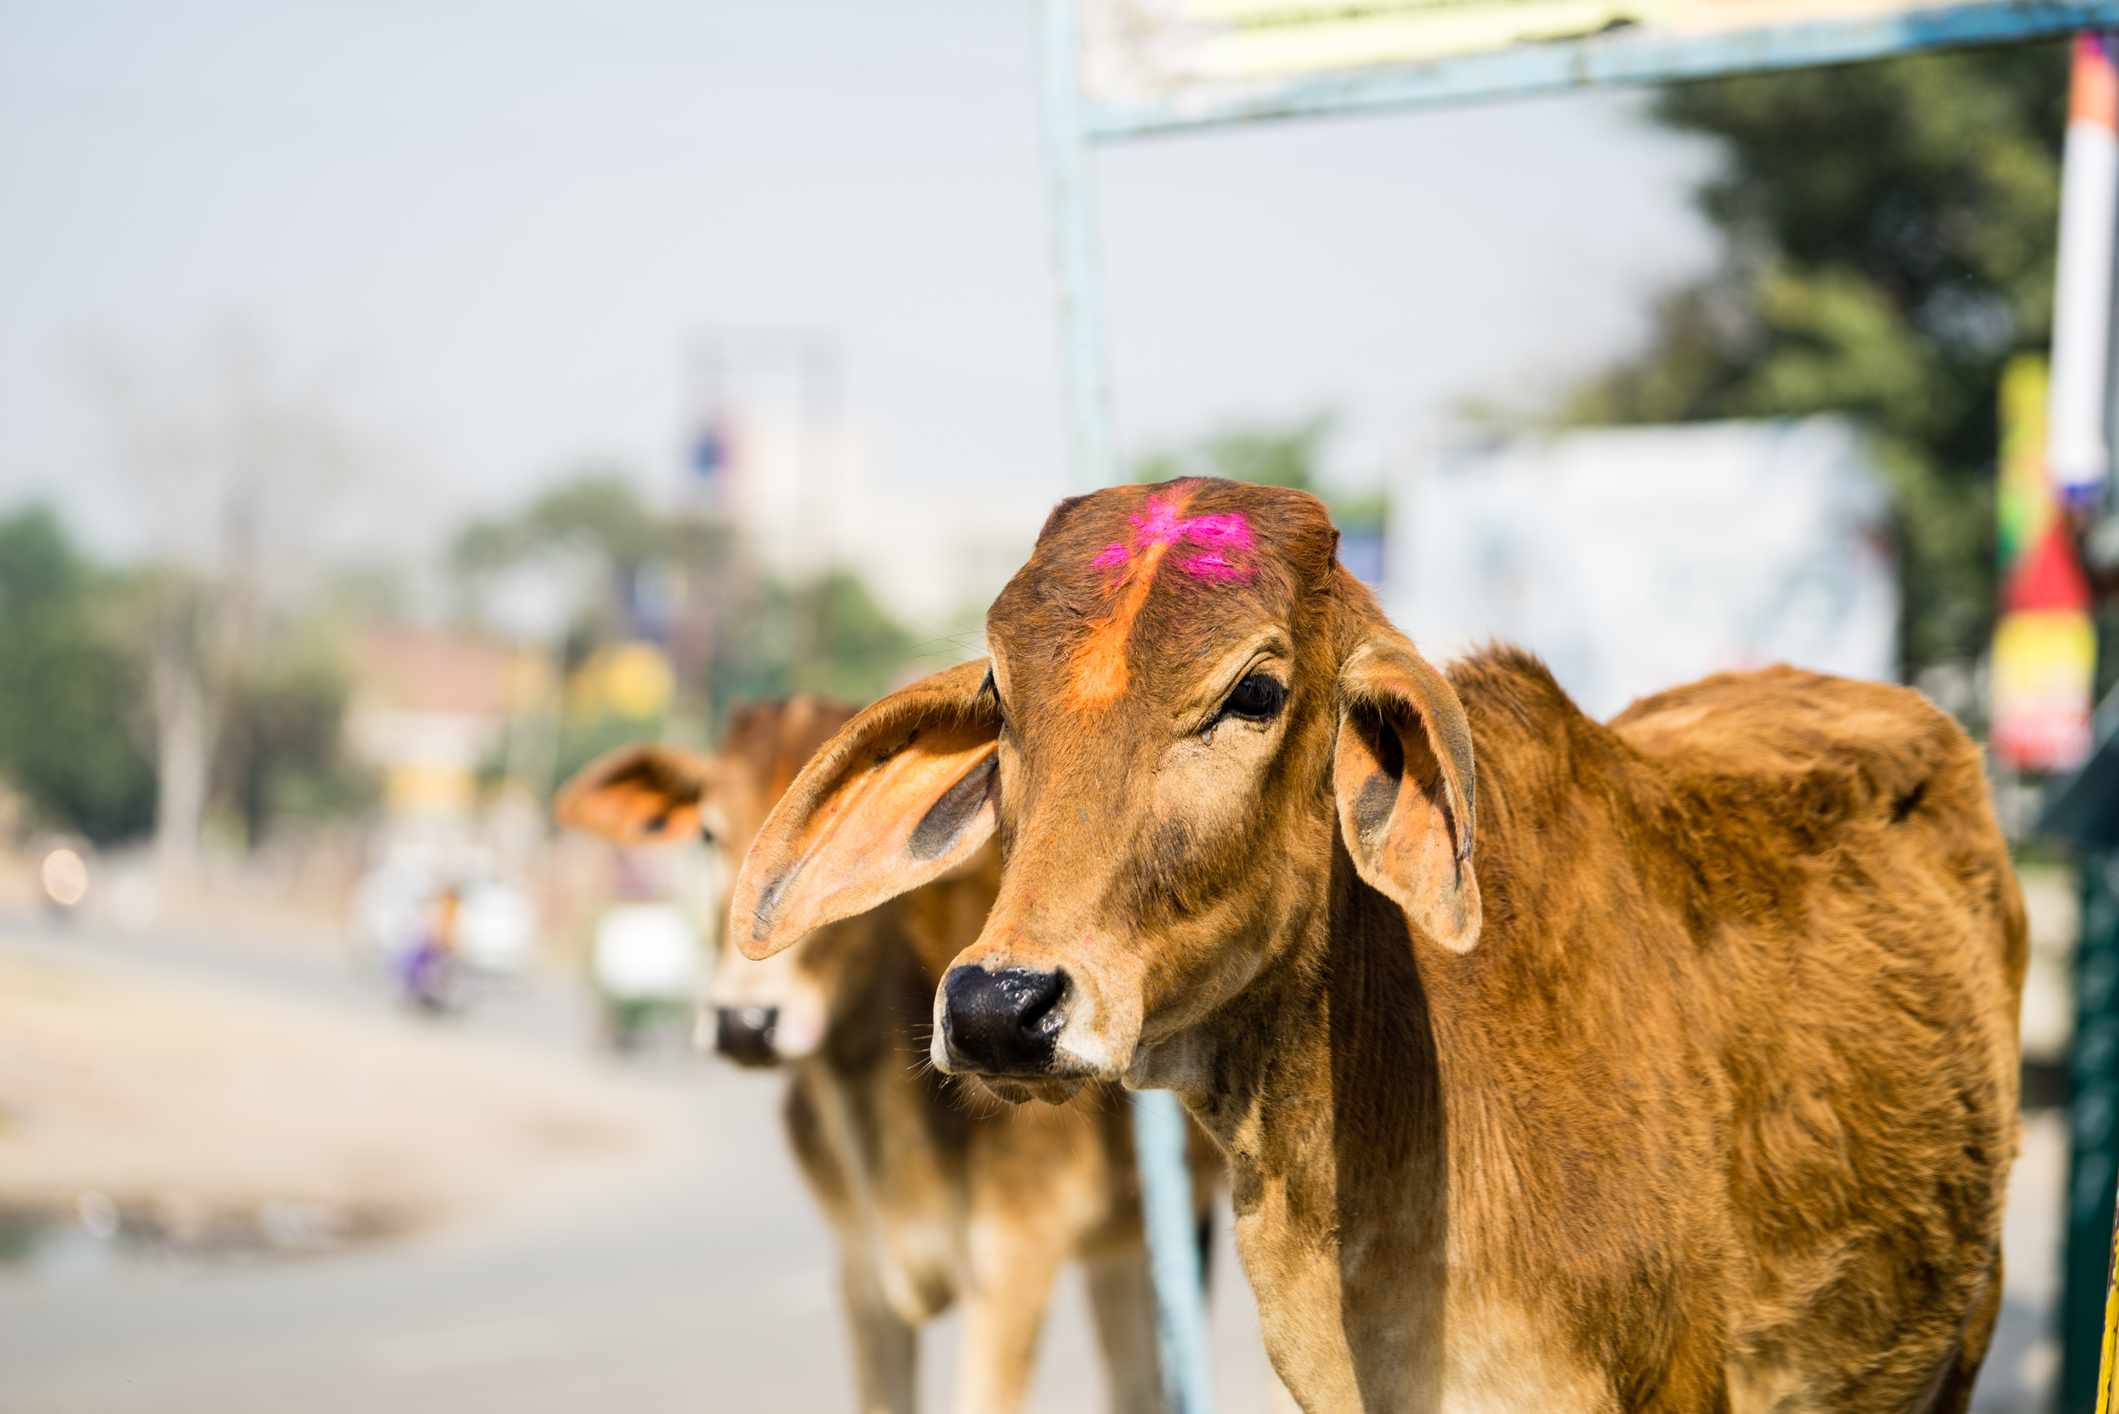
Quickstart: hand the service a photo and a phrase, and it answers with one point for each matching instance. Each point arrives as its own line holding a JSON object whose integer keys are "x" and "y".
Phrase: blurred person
{"x": 931, "y": 1202}
{"x": 427, "y": 971}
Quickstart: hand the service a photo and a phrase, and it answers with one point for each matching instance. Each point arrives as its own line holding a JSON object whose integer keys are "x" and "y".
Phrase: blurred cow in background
{"x": 931, "y": 1201}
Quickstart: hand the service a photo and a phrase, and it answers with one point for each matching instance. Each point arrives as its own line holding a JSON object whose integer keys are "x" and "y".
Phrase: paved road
{"x": 704, "y": 1288}
{"x": 707, "y": 1287}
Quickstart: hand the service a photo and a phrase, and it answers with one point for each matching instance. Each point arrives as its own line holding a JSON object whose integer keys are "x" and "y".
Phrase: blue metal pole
{"x": 1158, "y": 1120}
{"x": 1081, "y": 301}
{"x": 1173, "y": 1253}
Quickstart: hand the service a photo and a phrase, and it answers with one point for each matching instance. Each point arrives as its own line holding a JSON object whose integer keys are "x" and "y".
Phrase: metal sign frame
{"x": 1075, "y": 123}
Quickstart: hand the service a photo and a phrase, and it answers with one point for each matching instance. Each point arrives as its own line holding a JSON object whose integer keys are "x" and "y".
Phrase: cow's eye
{"x": 1258, "y": 698}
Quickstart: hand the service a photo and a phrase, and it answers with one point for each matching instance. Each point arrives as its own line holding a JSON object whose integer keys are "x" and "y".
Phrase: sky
{"x": 479, "y": 239}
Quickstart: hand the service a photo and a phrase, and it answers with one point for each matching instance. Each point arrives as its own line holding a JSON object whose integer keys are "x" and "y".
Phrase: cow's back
{"x": 1834, "y": 853}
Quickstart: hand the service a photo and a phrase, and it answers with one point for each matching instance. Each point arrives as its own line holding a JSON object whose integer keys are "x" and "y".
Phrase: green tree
{"x": 281, "y": 751}
{"x": 736, "y": 628}
{"x": 598, "y": 519}
{"x": 1267, "y": 454}
{"x": 826, "y": 635}
{"x": 1888, "y": 243}
{"x": 70, "y": 698}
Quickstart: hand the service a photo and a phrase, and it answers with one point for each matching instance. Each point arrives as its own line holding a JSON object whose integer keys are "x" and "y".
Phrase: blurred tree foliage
{"x": 826, "y": 635}
{"x": 596, "y": 519}
{"x": 281, "y": 751}
{"x": 734, "y": 629}
{"x": 1889, "y": 234}
{"x": 1287, "y": 454}
{"x": 75, "y": 649}
{"x": 70, "y": 734}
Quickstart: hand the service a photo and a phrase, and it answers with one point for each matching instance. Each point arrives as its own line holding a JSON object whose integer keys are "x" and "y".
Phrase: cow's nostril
{"x": 1037, "y": 999}
{"x": 745, "y": 1034}
{"x": 1005, "y": 1022}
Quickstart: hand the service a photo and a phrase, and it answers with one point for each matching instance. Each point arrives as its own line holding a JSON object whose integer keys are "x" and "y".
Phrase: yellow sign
{"x": 624, "y": 680}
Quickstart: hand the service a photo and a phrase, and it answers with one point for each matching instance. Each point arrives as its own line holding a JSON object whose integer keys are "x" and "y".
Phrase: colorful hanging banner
{"x": 2078, "y": 454}
{"x": 2045, "y": 644}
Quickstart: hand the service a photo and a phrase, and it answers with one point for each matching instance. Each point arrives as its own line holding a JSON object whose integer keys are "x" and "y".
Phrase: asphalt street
{"x": 704, "y": 1287}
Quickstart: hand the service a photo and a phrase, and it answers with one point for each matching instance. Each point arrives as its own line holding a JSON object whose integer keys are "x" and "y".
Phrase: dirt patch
{"x": 175, "y": 1114}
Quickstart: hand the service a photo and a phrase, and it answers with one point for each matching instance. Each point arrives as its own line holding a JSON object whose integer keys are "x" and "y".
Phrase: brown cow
{"x": 1669, "y": 1064}
{"x": 930, "y": 1202}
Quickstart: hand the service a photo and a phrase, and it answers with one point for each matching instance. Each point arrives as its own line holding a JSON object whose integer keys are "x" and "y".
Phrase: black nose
{"x": 745, "y": 1033}
{"x": 1002, "y": 1023}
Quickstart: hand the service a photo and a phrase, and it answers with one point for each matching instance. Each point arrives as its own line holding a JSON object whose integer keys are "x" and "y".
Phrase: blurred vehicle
{"x": 645, "y": 965}
{"x": 645, "y": 962}
{"x": 496, "y": 928}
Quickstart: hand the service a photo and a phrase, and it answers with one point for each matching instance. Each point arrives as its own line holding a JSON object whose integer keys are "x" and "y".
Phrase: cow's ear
{"x": 642, "y": 794}
{"x": 903, "y": 793}
{"x": 1402, "y": 775}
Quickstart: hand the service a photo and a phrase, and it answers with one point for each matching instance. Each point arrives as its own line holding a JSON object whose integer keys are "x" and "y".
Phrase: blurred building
{"x": 1634, "y": 559}
{"x": 429, "y": 708}
{"x": 771, "y": 448}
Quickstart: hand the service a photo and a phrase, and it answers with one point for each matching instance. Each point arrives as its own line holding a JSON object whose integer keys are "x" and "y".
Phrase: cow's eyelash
{"x": 991, "y": 691}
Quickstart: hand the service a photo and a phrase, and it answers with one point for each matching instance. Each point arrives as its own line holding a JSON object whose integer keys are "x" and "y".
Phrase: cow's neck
{"x": 1346, "y": 1087}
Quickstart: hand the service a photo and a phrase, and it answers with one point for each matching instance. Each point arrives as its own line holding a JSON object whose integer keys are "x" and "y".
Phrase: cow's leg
{"x": 1122, "y": 1299}
{"x": 1013, "y": 1264}
{"x": 885, "y": 1346}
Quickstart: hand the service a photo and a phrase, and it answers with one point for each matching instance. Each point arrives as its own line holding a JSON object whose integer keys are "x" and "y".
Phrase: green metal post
{"x": 2093, "y": 1134}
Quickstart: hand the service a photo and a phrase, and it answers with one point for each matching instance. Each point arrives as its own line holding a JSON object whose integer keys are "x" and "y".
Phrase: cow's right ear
{"x": 905, "y": 792}
{"x": 645, "y": 794}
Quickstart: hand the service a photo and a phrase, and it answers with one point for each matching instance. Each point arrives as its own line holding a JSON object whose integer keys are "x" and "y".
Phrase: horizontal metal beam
{"x": 1617, "y": 57}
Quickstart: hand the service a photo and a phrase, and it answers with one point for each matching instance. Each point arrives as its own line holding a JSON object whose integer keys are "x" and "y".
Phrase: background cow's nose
{"x": 1002, "y": 1022}
{"x": 745, "y": 1033}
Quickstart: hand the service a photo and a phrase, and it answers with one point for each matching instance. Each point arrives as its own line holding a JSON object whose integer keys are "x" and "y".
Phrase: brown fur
{"x": 935, "y": 1196}
{"x": 1665, "y": 1065}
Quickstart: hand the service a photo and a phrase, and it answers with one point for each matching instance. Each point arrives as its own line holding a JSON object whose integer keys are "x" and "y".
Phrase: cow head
{"x": 758, "y": 1013}
{"x": 1186, "y": 703}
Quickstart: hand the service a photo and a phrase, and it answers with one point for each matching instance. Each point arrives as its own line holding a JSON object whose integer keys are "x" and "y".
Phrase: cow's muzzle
{"x": 744, "y": 1034}
{"x": 1002, "y": 1023}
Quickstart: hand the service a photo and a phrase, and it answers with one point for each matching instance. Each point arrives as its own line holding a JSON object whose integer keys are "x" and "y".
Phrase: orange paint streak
{"x": 1100, "y": 674}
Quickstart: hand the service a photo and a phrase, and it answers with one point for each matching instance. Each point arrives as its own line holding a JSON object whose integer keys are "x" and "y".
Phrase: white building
{"x": 1633, "y": 559}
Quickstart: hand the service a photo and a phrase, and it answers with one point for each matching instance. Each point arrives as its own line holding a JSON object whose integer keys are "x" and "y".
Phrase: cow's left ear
{"x": 1402, "y": 776}
{"x": 902, "y": 794}
{"x": 642, "y": 794}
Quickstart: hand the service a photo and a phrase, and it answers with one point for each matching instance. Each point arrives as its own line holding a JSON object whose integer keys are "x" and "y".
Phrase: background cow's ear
{"x": 1402, "y": 775}
{"x": 637, "y": 795}
{"x": 903, "y": 793}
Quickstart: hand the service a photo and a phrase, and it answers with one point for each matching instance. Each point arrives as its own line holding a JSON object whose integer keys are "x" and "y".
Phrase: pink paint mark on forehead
{"x": 1100, "y": 671}
{"x": 1214, "y": 566}
{"x": 1229, "y": 530}
{"x": 1159, "y": 525}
